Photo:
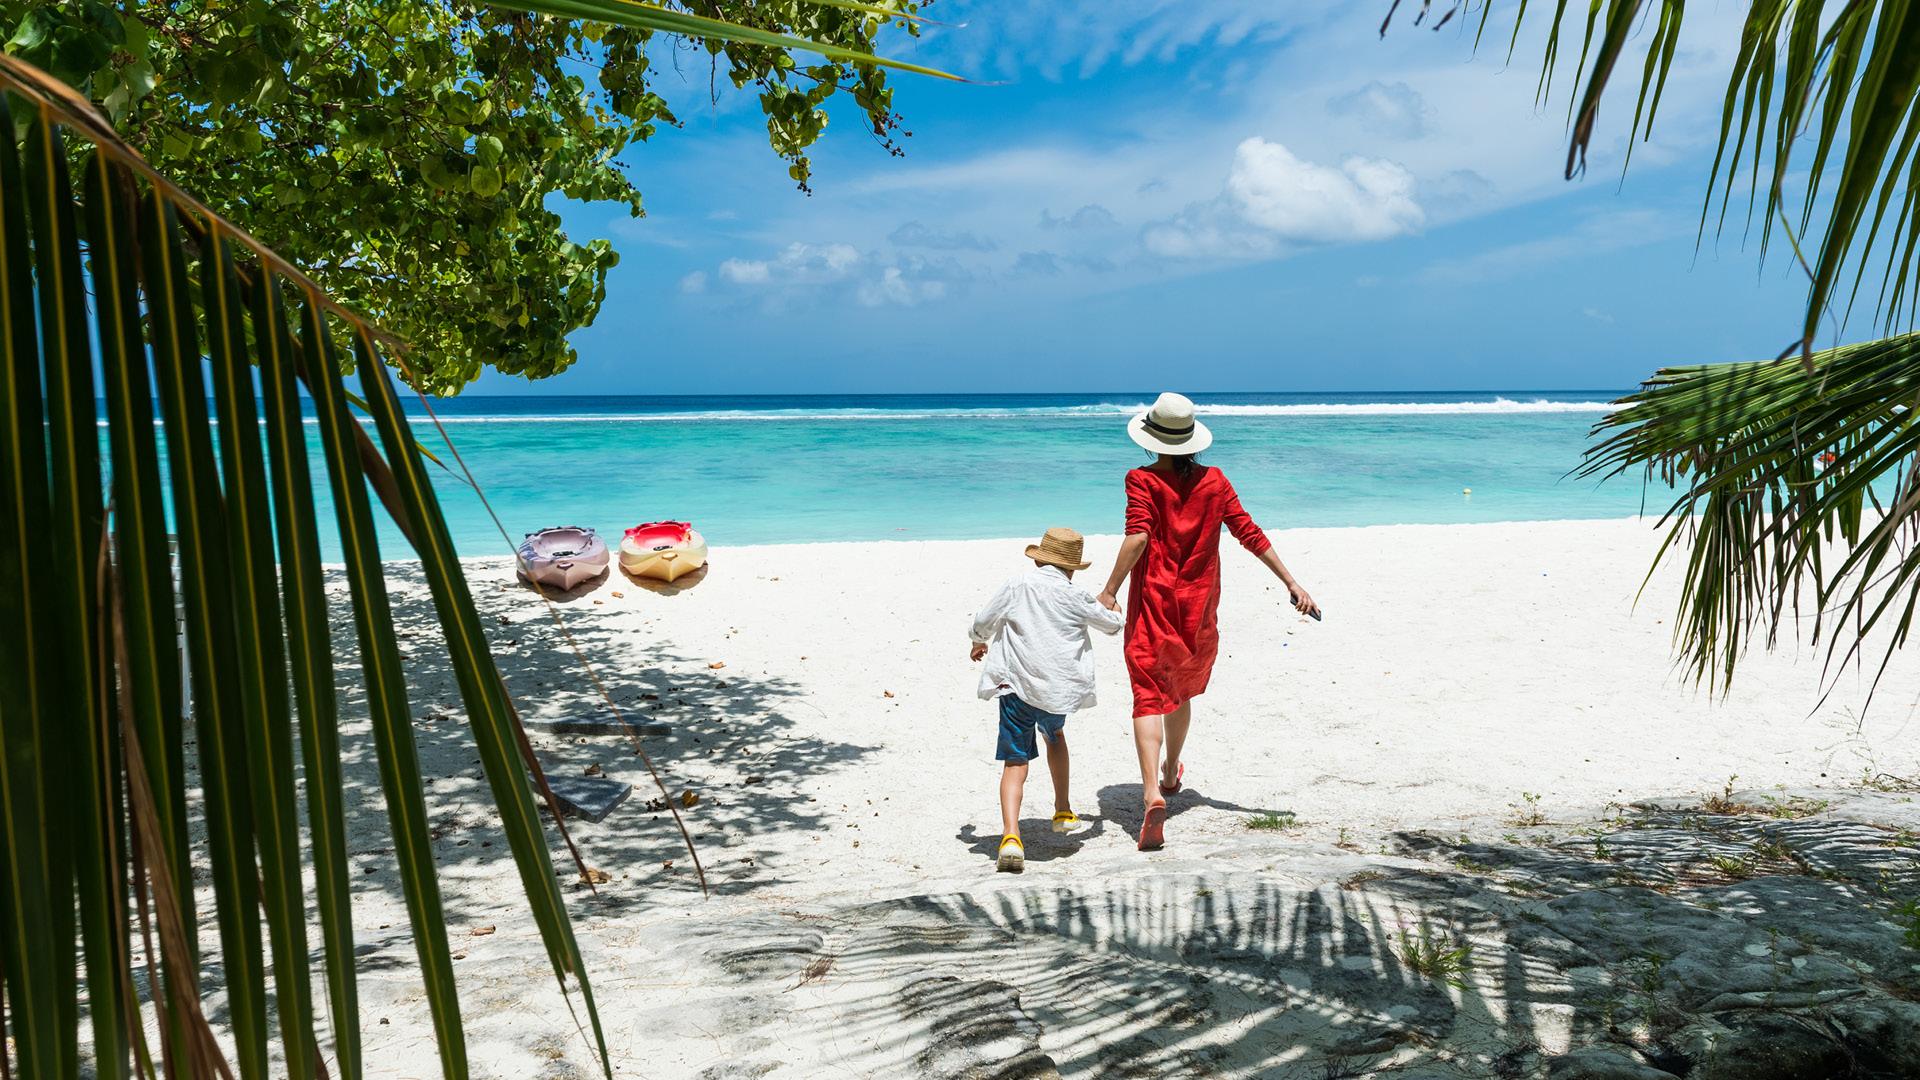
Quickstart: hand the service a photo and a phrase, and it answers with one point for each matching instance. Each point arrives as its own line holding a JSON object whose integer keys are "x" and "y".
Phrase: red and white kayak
{"x": 666, "y": 550}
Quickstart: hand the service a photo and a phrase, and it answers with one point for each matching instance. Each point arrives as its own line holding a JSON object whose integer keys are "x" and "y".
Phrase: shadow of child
{"x": 1042, "y": 844}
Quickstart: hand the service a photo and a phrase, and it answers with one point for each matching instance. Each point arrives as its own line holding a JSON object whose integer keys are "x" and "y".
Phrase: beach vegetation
{"x": 1732, "y": 867}
{"x": 1438, "y": 956}
{"x": 1775, "y": 851}
{"x": 1793, "y": 807}
{"x": 1886, "y": 782}
{"x": 1797, "y": 491}
{"x": 408, "y": 157}
{"x": 1723, "y": 801}
{"x": 168, "y": 716}
{"x": 1526, "y": 813}
{"x": 1273, "y": 821}
{"x": 1360, "y": 879}
{"x": 1907, "y": 917}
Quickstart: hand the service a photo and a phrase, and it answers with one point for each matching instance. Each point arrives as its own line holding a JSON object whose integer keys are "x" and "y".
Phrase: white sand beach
{"x": 1469, "y": 681}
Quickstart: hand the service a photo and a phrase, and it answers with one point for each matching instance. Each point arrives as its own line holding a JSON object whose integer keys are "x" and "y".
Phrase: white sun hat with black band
{"x": 1169, "y": 427}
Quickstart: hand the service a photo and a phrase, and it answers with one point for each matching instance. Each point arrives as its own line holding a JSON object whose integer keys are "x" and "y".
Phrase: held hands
{"x": 1108, "y": 601}
{"x": 979, "y": 651}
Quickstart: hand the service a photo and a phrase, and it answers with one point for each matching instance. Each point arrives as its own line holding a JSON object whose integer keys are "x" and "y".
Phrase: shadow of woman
{"x": 1122, "y": 805}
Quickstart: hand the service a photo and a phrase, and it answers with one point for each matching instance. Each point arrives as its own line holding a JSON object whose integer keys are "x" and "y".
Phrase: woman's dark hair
{"x": 1183, "y": 464}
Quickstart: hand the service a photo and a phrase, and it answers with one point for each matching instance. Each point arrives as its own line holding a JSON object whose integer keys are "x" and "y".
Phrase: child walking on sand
{"x": 1033, "y": 636}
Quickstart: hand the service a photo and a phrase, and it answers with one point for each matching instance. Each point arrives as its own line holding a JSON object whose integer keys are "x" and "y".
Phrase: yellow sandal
{"x": 1013, "y": 856}
{"x": 1065, "y": 821}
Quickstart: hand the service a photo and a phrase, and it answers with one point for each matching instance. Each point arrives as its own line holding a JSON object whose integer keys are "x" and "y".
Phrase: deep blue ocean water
{"x": 772, "y": 469}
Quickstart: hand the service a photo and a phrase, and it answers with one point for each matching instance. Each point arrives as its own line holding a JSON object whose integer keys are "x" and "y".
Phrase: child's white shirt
{"x": 1038, "y": 647}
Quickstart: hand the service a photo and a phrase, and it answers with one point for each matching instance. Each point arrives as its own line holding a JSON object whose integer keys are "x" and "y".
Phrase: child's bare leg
{"x": 1057, "y": 765}
{"x": 1176, "y": 726}
{"x": 1013, "y": 781}
{"x": 1147, "y": 734}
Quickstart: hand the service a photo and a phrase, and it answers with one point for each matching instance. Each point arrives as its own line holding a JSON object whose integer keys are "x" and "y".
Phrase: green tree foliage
{"x": 406, "y": 153}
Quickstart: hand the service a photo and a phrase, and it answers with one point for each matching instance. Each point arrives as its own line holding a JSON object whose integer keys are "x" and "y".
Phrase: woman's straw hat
{"x": 1169, "y": 427}
{"x": 1060, "y": 547}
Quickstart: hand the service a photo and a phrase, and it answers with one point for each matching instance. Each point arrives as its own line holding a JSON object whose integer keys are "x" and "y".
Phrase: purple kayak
{"x": 562, "y": 558}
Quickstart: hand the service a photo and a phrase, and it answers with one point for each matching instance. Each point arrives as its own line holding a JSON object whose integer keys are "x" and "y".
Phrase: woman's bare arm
{"x": 1302, "y": 602}
{"x": 1130, "y": 551}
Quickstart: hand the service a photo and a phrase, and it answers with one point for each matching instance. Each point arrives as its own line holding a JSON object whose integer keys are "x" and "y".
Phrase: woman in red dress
{"x": 1175, "y": 508}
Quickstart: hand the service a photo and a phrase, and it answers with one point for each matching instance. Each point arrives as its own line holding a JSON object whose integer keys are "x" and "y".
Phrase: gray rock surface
{"x": 590, "y": 797}
{"x": 1602, "y": 1063}
{"x": 596, "y": 724}
{"x": 1666, "y": 943}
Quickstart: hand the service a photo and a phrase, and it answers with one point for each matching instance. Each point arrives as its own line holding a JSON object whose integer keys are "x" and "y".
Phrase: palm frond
{"x": 640, "y": 15}
{"x": 1799, "y": 502}
{"x": 95, "y": 805}
{"x": 96, "y": 812}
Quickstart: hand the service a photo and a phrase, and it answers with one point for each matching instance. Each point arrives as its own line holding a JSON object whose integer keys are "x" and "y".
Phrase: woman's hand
{"x": 1109, "y": 601}
{"x": 1302, "y": 602}
{"x": 979, "y": 651}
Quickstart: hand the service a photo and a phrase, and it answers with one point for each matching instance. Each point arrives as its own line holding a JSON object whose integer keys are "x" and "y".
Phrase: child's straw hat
{"x": 1060, "y": 547}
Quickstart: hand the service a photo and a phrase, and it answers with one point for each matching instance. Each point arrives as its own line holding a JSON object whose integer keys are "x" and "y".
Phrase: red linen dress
{"x": 1171, "y": 633}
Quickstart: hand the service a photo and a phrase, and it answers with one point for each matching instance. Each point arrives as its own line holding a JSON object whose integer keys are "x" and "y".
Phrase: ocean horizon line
{"x": 834, "y": 408}
{"x": 1196, "y": 395}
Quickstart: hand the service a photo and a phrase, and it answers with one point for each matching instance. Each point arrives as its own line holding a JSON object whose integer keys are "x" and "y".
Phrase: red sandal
{"x": 1153, "y": 827}
{"x": 1179, "y": 780}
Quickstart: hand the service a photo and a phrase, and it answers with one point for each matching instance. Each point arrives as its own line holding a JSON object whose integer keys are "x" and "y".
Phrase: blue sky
{"x": 1209, "y": 196}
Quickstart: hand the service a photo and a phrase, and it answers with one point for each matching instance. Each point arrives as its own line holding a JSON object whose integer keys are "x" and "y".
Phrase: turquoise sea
{"x": 755, "y": 470}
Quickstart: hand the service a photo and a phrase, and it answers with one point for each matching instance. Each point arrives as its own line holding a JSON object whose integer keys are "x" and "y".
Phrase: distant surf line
{"x": 1494, "y": 407}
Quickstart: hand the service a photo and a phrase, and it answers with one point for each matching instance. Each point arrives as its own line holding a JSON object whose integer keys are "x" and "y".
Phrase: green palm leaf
{"x": 1777, "y": 464}
{"x": 99, "y": 558}
{"x": 640, "y": 15}
{"x": 38, "y": 965}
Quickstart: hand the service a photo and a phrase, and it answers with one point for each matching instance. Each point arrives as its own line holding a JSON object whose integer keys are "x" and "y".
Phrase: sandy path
{"x": 1457, "y": 668}
{"x": 841, "y": 755}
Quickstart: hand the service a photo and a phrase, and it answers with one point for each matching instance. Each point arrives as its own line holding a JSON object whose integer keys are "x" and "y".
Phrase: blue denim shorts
{"x": 1018, "y": 721}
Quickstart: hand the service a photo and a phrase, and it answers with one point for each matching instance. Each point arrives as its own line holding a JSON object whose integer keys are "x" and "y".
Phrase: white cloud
{"x": 1299, "y": 201}
{"x": 796, "y": 263}
{"x": 807, "y": 270}
{"x": 1274, "y": 202}
{"x": 745, "y": 272}
{"x": 893, "y": 286}
{"x": 1393, "y": 109}
{"x": 1156, "y": 150}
